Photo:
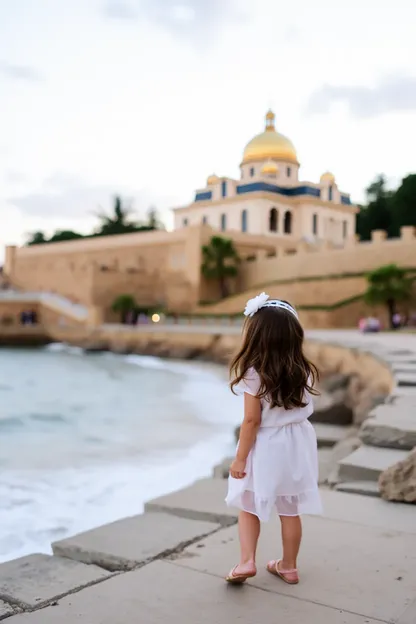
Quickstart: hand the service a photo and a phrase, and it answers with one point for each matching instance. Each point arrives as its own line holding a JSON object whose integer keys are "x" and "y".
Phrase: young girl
{"x": 276, "y": 465}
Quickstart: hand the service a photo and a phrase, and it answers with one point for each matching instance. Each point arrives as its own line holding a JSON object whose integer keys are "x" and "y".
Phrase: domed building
{"x": 269, "y": 198}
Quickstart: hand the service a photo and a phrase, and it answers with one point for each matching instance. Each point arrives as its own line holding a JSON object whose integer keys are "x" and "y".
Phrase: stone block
{"x": 380, "y": 587}
{"x": 128, "y": 543}
{"x": 222, "y": 470}
{"x": 331, "y": 409}
{"x": 365, "y": 488}
{"x": 35, "y": 580}
{"x": 164, "y": 592}
{"x": 406, "y": 379}
{"x": 5, "y": 610}
{"x": 204, "y": 500}
{"x": 398, "y": 482}
{"x": 329, "y": 435}
{"x": 368, "y": 462}
{"x": 389, "y": 431}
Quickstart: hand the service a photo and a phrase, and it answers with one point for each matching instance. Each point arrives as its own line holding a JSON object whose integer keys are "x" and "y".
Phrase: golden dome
{"x": 270, "y": 145}
{"x": 270, "y": 168}
{"x": 212, "y": 179}
{"x": 328, "y": 177}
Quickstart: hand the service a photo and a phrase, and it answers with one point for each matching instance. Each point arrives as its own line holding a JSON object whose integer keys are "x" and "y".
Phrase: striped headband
{"x": 263, "y": 301}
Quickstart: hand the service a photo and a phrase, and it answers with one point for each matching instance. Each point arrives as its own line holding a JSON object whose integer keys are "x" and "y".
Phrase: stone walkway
{"x": 357, "y": 564}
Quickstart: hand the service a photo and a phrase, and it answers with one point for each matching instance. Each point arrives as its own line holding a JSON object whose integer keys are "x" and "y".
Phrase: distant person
{"x": 396, "y": 320}
{"x": 276, "y": 463}
{"x": 373, "y": 324}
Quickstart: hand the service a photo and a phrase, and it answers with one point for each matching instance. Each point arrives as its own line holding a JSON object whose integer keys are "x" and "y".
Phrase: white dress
{"x": 282, "y": 466}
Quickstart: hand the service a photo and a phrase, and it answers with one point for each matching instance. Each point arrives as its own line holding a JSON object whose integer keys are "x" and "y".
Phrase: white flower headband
{"x": 263, "y": 301}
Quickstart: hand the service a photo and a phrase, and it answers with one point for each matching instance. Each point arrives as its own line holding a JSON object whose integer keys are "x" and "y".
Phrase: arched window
{"x": 330, "y": 193}
{"x": 288, "y": 171}
{"x": 185, "y": 222}
{"x": 315, "y": 224}
{"x": 287, "y": 223}
{"x": 273, "y": 220}
{"x": 224, "y": 188}
{"x": 251, "y": 172}
{"x": 223, "y": 222}
{"x": 204, "y": 219}
{"x": 244, "y": 221}
{"x": 344, "y": 229}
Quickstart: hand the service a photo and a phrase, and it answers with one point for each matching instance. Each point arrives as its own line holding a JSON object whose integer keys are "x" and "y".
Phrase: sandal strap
{"x": 281, "y": 571}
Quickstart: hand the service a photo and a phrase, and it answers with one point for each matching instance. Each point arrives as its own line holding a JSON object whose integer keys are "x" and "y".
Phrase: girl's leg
{"x": 291, "y": 538}
{"x": 249, "y": 531}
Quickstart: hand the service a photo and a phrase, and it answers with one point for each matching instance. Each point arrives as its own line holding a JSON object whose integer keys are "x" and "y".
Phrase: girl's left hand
{"x": 238, "y": 469}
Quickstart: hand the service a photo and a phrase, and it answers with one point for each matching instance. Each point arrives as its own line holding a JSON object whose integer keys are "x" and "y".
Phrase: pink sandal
{"x": 238, "y": 579}
{"x": 288, "y": 576}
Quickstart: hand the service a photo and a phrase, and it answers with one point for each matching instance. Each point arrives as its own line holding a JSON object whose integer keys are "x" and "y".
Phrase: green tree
{"x": 377, "y": 213}
{"x": 388, "y": 286}
{"x": 219, "y": 262}
{"x": 37, "y": 238}
{"x": 404, "y": 204}
{"x": 124, "y": 304}
{"x": 64, "y": 235}
{"x": 117, "y": 223}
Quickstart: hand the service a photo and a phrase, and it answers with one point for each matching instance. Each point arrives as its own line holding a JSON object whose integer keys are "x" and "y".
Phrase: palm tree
{"x": 124, "y": 304}
{"x": 388, "y": 286}
{"x": 119, "y": 222}
{"x": 220, "y": 261}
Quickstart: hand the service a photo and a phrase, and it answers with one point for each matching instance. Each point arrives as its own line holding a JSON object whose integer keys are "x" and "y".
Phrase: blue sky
{"x": 149, "y": 97}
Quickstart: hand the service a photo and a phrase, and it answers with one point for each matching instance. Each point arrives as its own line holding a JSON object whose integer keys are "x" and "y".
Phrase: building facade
{"x": 271, "y": 199}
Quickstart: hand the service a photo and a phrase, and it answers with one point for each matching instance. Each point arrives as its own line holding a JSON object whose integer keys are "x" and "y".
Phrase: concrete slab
{"x": 372, "y": 512}
{"x": 329, "y": 435}
{"x": 406, "y": 379}
{"x": 390, "y": 430}
{"x": 366, "y": 488}
{"x": 5, "y": 610}
{"x": 409, "y": 616}
{"x": 350, "y": 567}
{"x": 204, "y": 500}
{"x": 367, "y": 462}
{"x": 31, "y": 581}
{"x": 127, "y": 543}
{"x": 162, "y": 592}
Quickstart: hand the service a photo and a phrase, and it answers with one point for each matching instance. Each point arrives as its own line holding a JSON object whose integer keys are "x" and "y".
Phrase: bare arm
{"x": 248, "y": 432}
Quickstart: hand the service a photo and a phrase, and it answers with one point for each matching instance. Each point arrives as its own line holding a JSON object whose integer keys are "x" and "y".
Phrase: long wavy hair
{"x": 273, "y": 347}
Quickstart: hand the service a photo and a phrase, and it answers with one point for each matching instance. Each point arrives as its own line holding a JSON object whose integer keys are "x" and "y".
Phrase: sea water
{"x": 86, "y": 439}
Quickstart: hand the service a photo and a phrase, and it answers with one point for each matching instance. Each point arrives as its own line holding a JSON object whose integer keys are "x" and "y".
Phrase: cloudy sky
{"x": 148, "y": 97}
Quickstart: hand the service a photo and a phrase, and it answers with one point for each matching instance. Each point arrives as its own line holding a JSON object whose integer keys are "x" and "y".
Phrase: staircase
{"x": 389, "y": 433}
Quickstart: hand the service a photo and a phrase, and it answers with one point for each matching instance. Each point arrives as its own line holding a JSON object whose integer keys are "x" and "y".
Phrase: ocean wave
{"x": 44, "y": 506}
{"x": 63, "y": 347}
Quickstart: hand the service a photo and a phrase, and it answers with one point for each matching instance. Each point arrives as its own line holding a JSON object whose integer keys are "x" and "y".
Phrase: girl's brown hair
{"x": 273, "y": 346}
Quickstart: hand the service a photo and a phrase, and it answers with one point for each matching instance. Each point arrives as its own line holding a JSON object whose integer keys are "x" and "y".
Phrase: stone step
{"x": 128, "y": 543}
{"x": 368, "y": 462}
{"x": 390, "y": 427}
{"x": 405, "y": 380}
{"x": 404, "y": 367}
{"x": 33, "y": 581}
{"x": 366, "y": 488}
{"x": 328, "y": 435}
{"x": 204, "y": 500}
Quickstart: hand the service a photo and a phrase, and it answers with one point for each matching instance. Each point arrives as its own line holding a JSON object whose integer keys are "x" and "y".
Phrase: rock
{"x": 332, "y": 409}
{"x": 95, "y": 346}
{"x": 335, "y": 382}
{"x": 398, "y": 482}
{"x": 221, "y": 471}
